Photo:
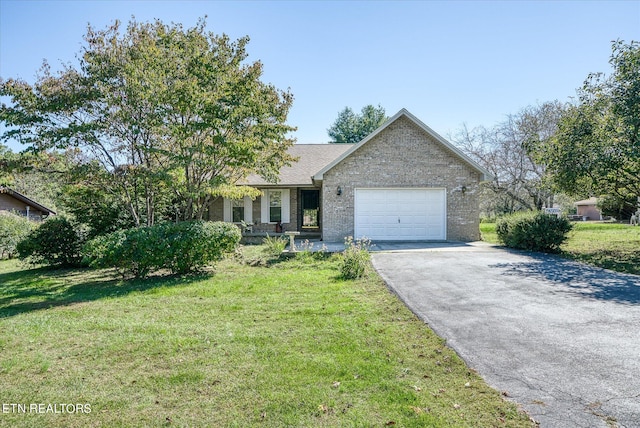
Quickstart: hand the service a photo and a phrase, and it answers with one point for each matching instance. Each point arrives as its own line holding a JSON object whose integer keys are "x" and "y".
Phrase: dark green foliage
{"x": 597, "y": 146}
{"x": 533, "y": 231}
{"x": 351, "y": 127}
{"x": 355, "y": 258}
{"x": 617, "y": 207}
{"x": 179, "y": 247}
{"x": 98, "y": 210}
{"x": 56, "y": 242}
{"x": 13, "y": 229}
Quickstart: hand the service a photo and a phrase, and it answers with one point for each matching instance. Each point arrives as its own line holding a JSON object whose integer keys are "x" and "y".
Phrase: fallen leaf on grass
{"x": 335, "y": 384}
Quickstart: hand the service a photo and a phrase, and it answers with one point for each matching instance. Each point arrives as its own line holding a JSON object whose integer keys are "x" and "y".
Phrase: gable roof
{"x": 311, "y": 159}
{"x": 591, "y": 201}
{"x": 486, "y": 175}
{"x": 19, "y": 196}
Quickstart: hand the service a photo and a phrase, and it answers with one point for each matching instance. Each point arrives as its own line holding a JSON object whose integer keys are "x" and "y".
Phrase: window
{"x": 275, "y": 206}
{"x": 237, "y": 210}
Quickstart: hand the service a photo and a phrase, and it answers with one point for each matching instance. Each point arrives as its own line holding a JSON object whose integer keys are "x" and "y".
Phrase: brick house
{"x": 402, "y": 182}
{"x": 17, "y": 203}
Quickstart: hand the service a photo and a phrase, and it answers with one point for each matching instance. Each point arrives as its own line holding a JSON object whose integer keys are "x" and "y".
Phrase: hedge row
{"x": 179, "y": 247}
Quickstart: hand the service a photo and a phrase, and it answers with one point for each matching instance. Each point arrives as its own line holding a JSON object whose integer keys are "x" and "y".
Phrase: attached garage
{"x": 400, "y": 214}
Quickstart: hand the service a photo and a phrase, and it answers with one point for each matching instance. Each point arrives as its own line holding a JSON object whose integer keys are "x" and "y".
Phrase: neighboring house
{"x": 16, "y": 202}
{"x": 402, "y": 182}
{"x": 588, "y": 209}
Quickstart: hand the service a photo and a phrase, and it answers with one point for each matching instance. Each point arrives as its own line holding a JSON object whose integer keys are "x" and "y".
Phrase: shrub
{"x": 13, "y": 229}
{"x": 179, "y": 247}
{"x": 274, "y": 246}
{"x": 354, "y": 258}
{"x": 533, "y": 231}
{"x": 56, "y": 242}
{"x": 195, "y": 244}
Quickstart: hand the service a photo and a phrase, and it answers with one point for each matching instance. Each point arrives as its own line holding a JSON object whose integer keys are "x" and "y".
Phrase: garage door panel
{"x": 400, "y": 214}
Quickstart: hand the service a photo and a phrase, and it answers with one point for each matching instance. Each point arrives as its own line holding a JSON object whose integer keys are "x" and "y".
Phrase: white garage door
{"x": 400, "y": 214}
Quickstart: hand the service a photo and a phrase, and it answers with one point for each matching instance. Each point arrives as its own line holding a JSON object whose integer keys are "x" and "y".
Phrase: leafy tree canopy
{"x": 596, "y": 149}
{"x": 161, "y": 119}
{"x": 351, "y": 127}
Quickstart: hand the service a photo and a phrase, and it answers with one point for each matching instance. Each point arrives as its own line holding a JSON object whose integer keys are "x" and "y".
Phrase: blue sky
{"x": 449, "y": 63}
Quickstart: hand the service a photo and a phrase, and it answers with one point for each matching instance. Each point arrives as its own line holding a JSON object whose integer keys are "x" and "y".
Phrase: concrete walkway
{"x": 560, "y": 338}
{"x": 337, "y": 247}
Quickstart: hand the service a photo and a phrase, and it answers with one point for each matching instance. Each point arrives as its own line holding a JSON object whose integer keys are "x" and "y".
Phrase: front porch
{"x": 257, "y": 237}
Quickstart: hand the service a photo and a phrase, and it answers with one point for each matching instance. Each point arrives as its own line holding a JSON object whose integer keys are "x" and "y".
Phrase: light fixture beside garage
{"x": 462, "y": 189}
{"x": 339, "y": 191}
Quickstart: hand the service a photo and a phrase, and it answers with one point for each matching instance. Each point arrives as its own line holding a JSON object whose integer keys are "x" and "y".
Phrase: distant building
{"x": 588, "y": 209}
{"x": 17, "y": 203}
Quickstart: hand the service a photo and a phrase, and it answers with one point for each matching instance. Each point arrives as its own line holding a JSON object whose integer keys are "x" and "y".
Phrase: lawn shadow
{"x": 43, "y": 288}
{"x": 577, "y": 278}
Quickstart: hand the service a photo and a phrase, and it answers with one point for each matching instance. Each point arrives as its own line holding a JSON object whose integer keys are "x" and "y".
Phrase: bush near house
{"x": 13, "y": 229}
{"x": 354, "y": 260}
{"x": 179, "y": 247}
{"x": 533, "y": 231}
{"x": 56, "y": 242}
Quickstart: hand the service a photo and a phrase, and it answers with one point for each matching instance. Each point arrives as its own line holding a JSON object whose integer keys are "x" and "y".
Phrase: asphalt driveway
{"x": 560, "y": 338}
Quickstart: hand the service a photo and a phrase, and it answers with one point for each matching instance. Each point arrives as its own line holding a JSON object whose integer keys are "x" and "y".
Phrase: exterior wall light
{"x": 339, "y": 191}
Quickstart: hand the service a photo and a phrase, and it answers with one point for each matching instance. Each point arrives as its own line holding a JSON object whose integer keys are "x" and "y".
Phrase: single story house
{"x": 17, "y": 203}
{"x": 588, "y": 209}
{"x": 402, "y": 182}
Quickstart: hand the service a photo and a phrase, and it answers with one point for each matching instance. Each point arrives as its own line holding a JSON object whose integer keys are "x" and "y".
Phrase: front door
{"x": 310, "y": 208}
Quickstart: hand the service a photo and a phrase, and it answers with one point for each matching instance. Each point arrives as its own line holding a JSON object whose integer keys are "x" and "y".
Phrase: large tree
{"x": 507, "y": 151}
{"x": 351, "y": 127}
{"x": 597, "y": 147}
{"x": 163, "y": 117}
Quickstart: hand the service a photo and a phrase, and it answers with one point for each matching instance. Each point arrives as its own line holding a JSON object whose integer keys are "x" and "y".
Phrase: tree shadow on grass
{"x": 43, "y": 288}
{"x": 577, "y": 278}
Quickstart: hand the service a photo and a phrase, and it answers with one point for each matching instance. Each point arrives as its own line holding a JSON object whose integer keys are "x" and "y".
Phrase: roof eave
{"x": 486, "y": 175}
{"x": 26, "y": 200}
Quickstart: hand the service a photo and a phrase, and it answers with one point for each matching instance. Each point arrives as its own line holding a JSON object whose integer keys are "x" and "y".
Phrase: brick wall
{"x": 402, "y": 155}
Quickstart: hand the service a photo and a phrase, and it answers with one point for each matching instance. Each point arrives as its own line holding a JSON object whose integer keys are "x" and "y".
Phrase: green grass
{"x": 607, "y": 245}
{"x": 291, "y": 344}
{"x": 488, "y": 233}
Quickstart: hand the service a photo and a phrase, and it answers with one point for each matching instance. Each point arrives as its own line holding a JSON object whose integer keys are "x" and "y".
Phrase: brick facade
{"x": 402, "y": 155}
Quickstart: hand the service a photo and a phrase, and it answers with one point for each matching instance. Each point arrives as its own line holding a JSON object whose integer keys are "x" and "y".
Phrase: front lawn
{"x": 608, "y": 245}
{"x": 290, "y": 344}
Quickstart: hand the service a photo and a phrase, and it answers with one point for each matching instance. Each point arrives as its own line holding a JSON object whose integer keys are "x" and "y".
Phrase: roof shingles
{"x": 311, "y": 159}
